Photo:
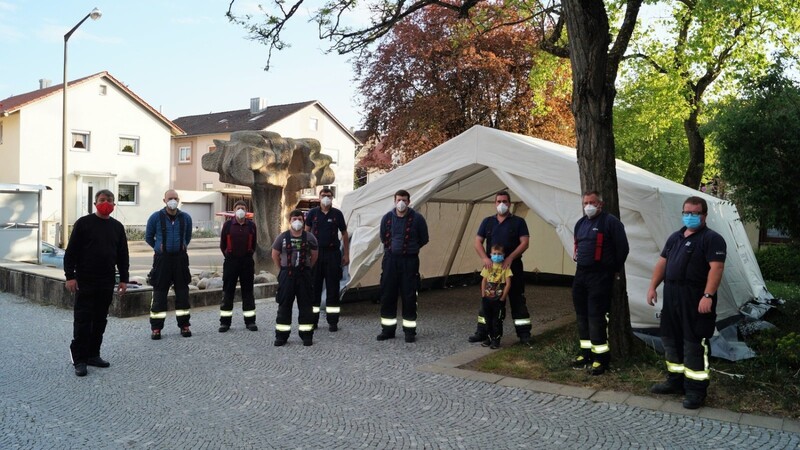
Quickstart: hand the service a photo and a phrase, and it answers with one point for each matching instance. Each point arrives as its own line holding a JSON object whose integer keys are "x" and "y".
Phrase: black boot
{"x": 672, "y": 385}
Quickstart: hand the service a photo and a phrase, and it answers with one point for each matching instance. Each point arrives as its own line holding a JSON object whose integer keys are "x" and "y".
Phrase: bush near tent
{"x": 780, "y": 262}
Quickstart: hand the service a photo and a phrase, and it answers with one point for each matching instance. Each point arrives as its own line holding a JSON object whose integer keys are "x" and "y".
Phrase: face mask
{"x": 497, "y": 258}
{"x": 297, "y": 225}
{"x": 502, "y": 208}
{"x": 691, "y": 222}
{"x": 240, "y": 214}
{"x": 590, "y": 210}
{"x": 105, "y": 208}
{"x": 401, "y": 206}
{"x": 326, "y": 201}
{"x": 172, "y": 204}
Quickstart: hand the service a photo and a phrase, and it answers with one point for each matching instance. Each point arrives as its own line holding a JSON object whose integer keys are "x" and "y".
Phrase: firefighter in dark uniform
{"x": 511, "y": 232}
{"x": 691, "y": 267}
{"x": 238, "y": 241}
{"x": 601, "y": 248}
{"x": 325, "y": 223}
{"x": 169, "y": 231}
{"x": 403, "y": 232}
{"x": 295, "y": 252}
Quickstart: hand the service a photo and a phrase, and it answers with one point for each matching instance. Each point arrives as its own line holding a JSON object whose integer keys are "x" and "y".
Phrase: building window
{"x": 332, "y": 187}
{"x": 313, "y": 124}
{"x": 334, "y": 154}
{"x": 103, "y": 89}
{"x": 129, "y": 145}
{"x": 185, "y": 155}
{"x": 128, "y": 194}
{"x": 208, "y": 186}
{"x": 80, "y": 141}
{"x": 308, "y": 192}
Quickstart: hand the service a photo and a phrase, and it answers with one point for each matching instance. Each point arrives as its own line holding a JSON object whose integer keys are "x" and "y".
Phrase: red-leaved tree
{"x": 434, "y": 76}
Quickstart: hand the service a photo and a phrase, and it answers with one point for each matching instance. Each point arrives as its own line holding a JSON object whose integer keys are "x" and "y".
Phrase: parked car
{"x": 52, "y": 255}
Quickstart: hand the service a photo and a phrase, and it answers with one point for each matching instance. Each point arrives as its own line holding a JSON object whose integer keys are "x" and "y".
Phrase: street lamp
{"x": 95, "y": 14}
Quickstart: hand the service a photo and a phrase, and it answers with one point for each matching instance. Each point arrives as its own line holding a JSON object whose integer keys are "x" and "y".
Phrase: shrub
{"x": 134, "y": 234}
{"x": 780, "y": 262}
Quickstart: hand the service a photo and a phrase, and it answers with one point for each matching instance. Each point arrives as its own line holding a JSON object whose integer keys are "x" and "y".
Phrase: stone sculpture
{"x": 275, "y": 169}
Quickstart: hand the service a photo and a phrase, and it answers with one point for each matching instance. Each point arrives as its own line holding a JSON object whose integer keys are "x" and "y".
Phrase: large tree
{"x": 580, "y": 30}
{"x": 433, "y": 76}
{"x": 700, "y": 47}
{"x": 759, "y": 139}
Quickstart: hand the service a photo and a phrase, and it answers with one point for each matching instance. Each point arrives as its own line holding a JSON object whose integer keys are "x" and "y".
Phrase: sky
{"x": 182, "y": 57}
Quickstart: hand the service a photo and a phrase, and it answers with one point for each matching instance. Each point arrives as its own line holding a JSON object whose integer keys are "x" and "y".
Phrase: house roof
{"x": 242, "y": 119}
{"x": 17, "y": 102}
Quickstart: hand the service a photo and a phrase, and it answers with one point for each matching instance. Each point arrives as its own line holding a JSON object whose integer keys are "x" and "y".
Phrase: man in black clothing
{"x": 691, "y": 266}
{"x": 96, "y": 247}
{"x": 511, "y": 232}
{"x": 403, "y": 232}
{"x": 601, "y": 248}
{"x": 238, "y": 241}
{"x": 325, "y": 223}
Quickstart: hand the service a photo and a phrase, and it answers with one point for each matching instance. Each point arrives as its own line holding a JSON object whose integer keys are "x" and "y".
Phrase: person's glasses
{"x": 692, "y": 213}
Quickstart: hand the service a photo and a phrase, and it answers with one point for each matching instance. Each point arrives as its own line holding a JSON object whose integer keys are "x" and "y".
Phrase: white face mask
{"x": 297, "y": 225}
{"x": 172, "y": 204}
{"x": 590, "y": 210}
{"x": 326, "y": 201}
{"x": 240, "y": 214}
{"x": 502, "y": 208}
{"x": 401, "y": 206}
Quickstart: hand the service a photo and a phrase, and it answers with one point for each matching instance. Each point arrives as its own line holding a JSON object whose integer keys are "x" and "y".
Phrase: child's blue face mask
{"x": 497, "y": 258}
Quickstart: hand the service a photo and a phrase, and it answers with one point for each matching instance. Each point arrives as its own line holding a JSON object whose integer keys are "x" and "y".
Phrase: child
{"x": 494, "y": 292}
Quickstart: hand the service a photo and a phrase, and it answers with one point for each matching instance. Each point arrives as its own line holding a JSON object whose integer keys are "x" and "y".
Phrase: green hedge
{"x": 780, "y": 262}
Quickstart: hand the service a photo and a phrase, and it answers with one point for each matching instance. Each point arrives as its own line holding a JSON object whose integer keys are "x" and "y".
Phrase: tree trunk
{"x": 593, "y": 96}
{"x": 697, "y": 151}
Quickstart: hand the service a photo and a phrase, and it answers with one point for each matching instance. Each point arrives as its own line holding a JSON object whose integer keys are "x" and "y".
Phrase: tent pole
{"x": 459, "y": 238}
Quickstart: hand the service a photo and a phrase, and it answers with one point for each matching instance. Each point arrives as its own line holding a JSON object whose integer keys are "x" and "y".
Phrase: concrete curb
{"x": 451, "y": 366}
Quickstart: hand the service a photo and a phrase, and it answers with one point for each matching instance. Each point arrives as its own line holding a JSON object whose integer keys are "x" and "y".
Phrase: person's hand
{"x": 507, "y": 263}
{"x": 487, "y": 262}
{"x": 71, "y": 285}
{"x": 345, "y": 260}
{"x": 652, "y": 297}
{"x": 122, "y": 288}
{"x": 705, "y": 306}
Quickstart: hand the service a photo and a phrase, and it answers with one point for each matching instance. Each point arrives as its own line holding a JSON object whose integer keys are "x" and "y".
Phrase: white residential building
{"x": 117, "y": 142}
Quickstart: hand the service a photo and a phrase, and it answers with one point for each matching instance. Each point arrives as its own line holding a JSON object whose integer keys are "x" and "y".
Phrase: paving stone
{"x": 347, "y": 391}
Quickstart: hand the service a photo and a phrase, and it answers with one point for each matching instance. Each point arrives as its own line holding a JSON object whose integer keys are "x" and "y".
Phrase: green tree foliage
{"x": 759, "y": 140}
{"x": 433, "y": 77}
{"x": 701, "y": 48}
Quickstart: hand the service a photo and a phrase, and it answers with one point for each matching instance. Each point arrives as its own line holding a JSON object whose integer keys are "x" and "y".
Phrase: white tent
{"x": 453, "y": 186}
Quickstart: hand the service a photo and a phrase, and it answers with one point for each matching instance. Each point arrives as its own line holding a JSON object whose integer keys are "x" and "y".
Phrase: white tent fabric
{"x": 453, "y": 186}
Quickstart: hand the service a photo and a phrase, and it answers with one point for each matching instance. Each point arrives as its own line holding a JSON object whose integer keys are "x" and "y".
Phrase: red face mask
{"x": 105, "y": 208}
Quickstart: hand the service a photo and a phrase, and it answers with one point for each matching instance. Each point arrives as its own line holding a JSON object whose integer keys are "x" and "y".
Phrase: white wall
{"x": 107, "y": 118}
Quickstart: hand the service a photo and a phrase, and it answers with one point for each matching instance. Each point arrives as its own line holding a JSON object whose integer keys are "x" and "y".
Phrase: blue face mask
{"x": 691, "y": 222}
{"x": 497, "y": 258}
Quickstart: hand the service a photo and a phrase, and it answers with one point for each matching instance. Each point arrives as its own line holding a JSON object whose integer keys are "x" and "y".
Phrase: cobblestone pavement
{"x": 235, "y": 390}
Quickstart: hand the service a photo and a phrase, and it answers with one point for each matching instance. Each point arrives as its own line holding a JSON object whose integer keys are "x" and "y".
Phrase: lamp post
{"x": 94, "y": 14}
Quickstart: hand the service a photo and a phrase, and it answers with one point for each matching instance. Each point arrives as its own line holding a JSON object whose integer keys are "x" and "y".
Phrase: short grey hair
{"x": 105, "y": 192}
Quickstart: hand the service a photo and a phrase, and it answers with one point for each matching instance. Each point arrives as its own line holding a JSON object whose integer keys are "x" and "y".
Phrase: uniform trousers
{"x": 685, "y": 333}
{"x": 294, "y": 283}
{"x": 328, "y": 272}
{"x": 400, "y": 275}
{"x": 170, "y": 269}
{"x": 241, "y": 268}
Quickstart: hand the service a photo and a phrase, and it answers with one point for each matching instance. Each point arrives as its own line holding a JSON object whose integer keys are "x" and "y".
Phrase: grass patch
{"x": 768, "y": 384}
